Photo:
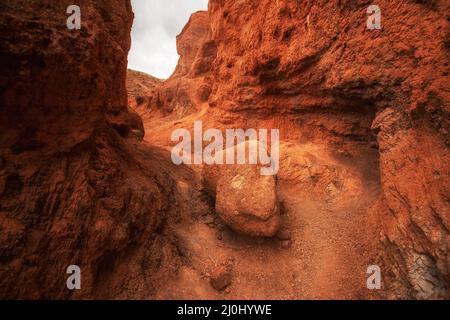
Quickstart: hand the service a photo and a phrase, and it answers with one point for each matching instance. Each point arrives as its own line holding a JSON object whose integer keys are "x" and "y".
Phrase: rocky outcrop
{"x": 190, "y": 85}
{"x": 74, "y": 189}
{"x": 247, "y": 201}
{"x": 244, "y": 199}
{"x": 315, "y": 71}
{"x": 140, "y": 87}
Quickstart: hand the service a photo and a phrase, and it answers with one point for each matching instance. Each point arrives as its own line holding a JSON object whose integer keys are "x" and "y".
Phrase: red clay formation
{"x": 364, "y": 153}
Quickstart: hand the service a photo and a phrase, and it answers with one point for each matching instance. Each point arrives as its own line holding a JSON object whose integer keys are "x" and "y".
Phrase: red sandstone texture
{"x": 189, "y": 86}
{"x": 316, "y": 60}
{"x": 364, "y": 160}
{"x": 315, "y": 71}
{"x": 72, "y": 188}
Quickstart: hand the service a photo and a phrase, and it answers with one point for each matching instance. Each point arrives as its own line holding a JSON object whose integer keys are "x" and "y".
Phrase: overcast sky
{"x": 156, "y": 25}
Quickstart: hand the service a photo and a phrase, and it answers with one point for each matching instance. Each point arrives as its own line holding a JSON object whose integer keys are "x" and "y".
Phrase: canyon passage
{"x": 87, "y": 179}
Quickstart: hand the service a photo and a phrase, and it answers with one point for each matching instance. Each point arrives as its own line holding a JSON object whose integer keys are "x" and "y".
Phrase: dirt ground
{"x": 327, "y": 198}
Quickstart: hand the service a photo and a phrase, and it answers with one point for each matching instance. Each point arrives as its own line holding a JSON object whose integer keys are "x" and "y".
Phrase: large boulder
{"x": 244, "y": 199}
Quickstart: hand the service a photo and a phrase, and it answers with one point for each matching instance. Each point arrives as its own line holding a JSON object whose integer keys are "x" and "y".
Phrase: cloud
{"x": 156, "y": 25}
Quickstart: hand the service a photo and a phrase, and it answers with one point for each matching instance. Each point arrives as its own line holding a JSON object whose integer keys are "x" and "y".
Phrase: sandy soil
{"x": 326, "y": 201}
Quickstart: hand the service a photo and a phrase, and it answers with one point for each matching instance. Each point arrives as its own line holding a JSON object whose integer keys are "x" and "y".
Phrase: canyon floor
{"x": 326, "y": 196}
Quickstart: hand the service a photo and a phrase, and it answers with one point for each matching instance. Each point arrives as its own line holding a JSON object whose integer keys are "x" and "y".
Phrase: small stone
{"x": 221, "y": 278}
{"x": 220, "y": 227}
{"x": 284, "y": 234}
{"x": 209, "y": 221}
{"x": 286, "y": 244}
{"x": 344, "y": 153}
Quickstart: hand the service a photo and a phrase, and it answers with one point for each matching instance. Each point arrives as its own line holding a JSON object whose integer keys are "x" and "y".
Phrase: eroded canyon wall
{"x": 317, "y": 67}
{"x": 73, "y": 187}
{"x": 190, "y": 84}
{"x": 77, "y": 188}
{"x": 318, "y": 58}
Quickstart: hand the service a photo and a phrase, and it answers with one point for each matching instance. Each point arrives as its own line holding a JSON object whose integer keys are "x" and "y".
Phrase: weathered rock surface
{"x": 244, "y": 199}
{"x": 221, "y": 277}
{"x": 140, "y": 87}
{"x": 74, "y": 188}
{"x": 73, "y": 191}
{"x": 247, "y": 201}
{"x": 315, "y": 71}
{"x": 190, "y": 85}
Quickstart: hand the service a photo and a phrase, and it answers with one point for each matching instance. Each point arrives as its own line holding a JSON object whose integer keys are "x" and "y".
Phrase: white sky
{"x": 156, "y": 25}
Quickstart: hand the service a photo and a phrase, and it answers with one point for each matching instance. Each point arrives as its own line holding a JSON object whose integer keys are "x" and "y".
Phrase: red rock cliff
{"x": 314, "y": 70}
{"x": 318, "y": 58}
{"x": 77, "y": 187}
{"x": 68, "y": 156}
{"x": 190, "y": 84}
